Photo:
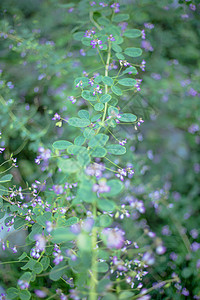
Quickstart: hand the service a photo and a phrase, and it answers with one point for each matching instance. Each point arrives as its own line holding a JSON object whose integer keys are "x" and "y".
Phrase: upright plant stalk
{"x": 94, "y": 274}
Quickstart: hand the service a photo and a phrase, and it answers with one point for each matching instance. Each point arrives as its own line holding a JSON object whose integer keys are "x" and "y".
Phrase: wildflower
{"x": 103, "y": 4}
{"x": 160, "y": 249}
{"x": 40, "y": 242}
{"x": 79, "y": 84}
{"x": 192, "y": 7}
{"x": 56, "y": 117}
{"x": 95, "y": 43}
{"x": 92, "y": 3}
{"x": 49, "y": 226}
{"x": 123, "y": 26}
{"x": 91, "y": 81}
{"x": 140, "y": 121}
{"x": 102, "y": 187}
{"x": 146, "y": 45}
{"x": 95, "y": 170}
{"x": 57, "y": 254}
{"x": 121, "y": 173}
{"x": 124, "y": 63}
{"x": 82, "y": 52}
{"x": 116, "y": 7}
{"x": 111, "y": 38}
{"x": 148, "y": 25}
{"x": 23, "y": 284}
{"x": 112, "y": 65}
{"x": 40, "y": 293}
{"x": 122, "y": 143}
{"x": 2, "y": 149}
{"x": 72, "y": 99}
{"x": 89, "y": 33}
{"x": 114, "y": 237}
{"x": 58, "y": 189}
{"x": 143, "y": 34}
{"x": 137, "y": 85}
{"x": 143, "y": 65}
{"x": 97, "y": 90}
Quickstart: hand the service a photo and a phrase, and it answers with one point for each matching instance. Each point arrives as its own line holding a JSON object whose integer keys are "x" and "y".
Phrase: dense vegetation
{"x": 100, "y": 159}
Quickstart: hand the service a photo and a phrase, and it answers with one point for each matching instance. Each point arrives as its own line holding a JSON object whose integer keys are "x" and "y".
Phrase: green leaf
{"x": 116, "y": 90}
{"x": 98, "y": 140}
{"x": 98, "y": 79}
{"x": 96, "y": 117}
{"x": 84, "y": 81}
{"x": 105, "y": 220}
{"x": 133, "y": 52}
{"x": 109, "y": 296}
{"x": 42, "y": 219}
{"x": 105, "y": 98}
{"x": 108, "y": 80}
{"x": 71, "y": 221}
{"x": 120, "y": 17}
{"x": 12, "y": 293}
{"x": 133, "y": 71}
{"x": 99, "y": 106}
{"x": 19, "y": 223}
{"x": 116, "y": 186}
{"x": 83, "y": 159}
{"x": 88, "y": 133}
{"x": 26, "y": 276}
{"x": 116, "y": 48}
{"x": 57, "y": 271}
{"x": 126, "y": 295}
{"x": 74, "y": 149}
{"x": 61, "y": 145}
{"x": 62, "y": 234}
{"x": 112, "y": 110}
{"x": 3, "y": 190}
{"x": 86, "y": 41}
{"x": 116, "y": 149}
{"x": 45, "y": 261}
{"x": 79, "y": 140}
{"x": 77, "y": 122}
{"x": 84, "y": 114}
{"x": 98, "y": 152}
{"x": 87, "y": 95}
{"x": 6, "y": 178}
{"x": 38, "y": 268}
{"x": 103, "y": 21}
{"x": 127, "y": 82}
{"x": 120, "y": 56}
{"x": 36, "y": 229}
{"x": 102, "y": 267}
{"x": 128, "y": 118}
{"x": 84, "y": 242}
{"x": 78, "y": 35}
{"x": 24, "y": 295}
{"x": 132, "y": 33}
{"x": 22, "y": 256}
{"x": 68, "y": 165}
{"x": 106, "y": 205}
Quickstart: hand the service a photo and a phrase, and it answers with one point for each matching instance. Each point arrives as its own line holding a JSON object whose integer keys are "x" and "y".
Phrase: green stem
{"x": 94, "y": 272}
{"x": 93, "y": 21}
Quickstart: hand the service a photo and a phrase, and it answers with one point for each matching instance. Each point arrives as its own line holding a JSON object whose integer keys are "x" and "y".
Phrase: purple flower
{"x": 89, "y": 33}
{"x": 57, "y": 254}
{"x": 121, "y": 173}
{"x": 192, "y": 7}
{"x": 122, "y": 143}
{"x": 148, "y": 25}
{"x": 82, "y": 52}
{"x": 97, "y": 90}
{"x": 40, "y": 293}
{"x": 160, "y": 249}
{"x": 116, "y": 7}
{"x": 103, "y": 4}
{"x": 95, "y": 170}
{"x": 23, "y": 284}
{"x": 92, "y": 3}
{"x": 95, "y": 43}
{"x": 143, "y": 34}
{"x": 112, "y": 65}
{"x": 58, "y": 189}
{"x": 146, "y": 45}
{"x": 114, "y": 237}
{"x": 2, "y": 149}
{"x": 111, "y": 38}
{"x": 102, "y": 187}
{"x": 124, "y": 63}
{"x": 137, "y": 85}
{"x": 56, "y": 117}
{"x": 72, "y": 99}
{"x": 143, "y": 65}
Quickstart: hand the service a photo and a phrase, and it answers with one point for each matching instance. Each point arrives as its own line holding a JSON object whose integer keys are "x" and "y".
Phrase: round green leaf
{"x": 61, "y": 145}
{"x": 99, "y": 106}
{"x": 132, "y": 33}
{"x": 108, "y": 80}
{"x": 6, "y": 178}
{"x": 116, "y": 149}
{"x": 98, "y": 152}
{"x": 120, "y": 17}
{"x": 102, "y": 267}
{"x": 105, "y": 98}
{"x": 68, "y": 165}
{"x": 84, "y": 114}
{"x": 98, "y": 140}
{"x": 128, "y": 117}
{"x": 120, "y": 56}
{"x": 116, "y": 90}
{"x": 77, "y": 122}
{"x": 106, "y": 205}
{"x": 127, "y": 82}
{"x": 133, "y": 52}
